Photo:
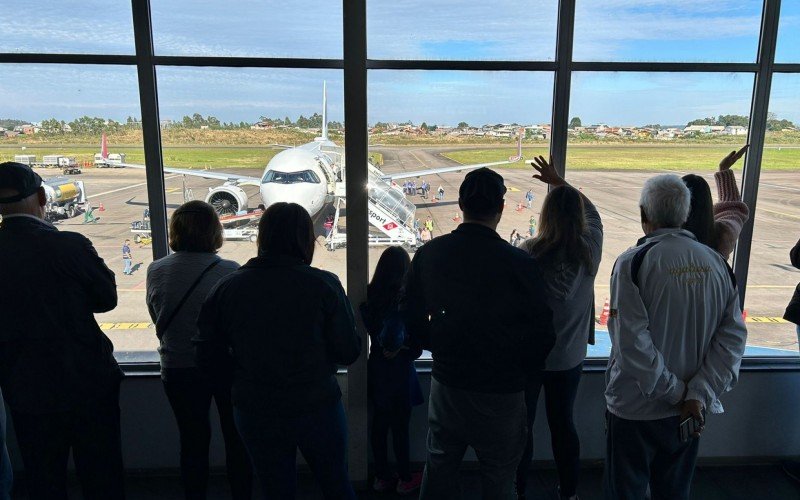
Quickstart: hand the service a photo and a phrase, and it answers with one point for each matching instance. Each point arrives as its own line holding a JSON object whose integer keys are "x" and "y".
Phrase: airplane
{"x": 313, "y": 176}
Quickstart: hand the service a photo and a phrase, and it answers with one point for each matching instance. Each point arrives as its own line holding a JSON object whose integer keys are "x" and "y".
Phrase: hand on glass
{"x": 546, "y": 171}
{"x": 729, "y": 160}
{"x": 693, "y": 408}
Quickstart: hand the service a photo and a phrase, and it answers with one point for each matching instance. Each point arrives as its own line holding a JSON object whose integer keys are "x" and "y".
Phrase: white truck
{"x": 68, "y": 164}
{"x": 29, "y": 160}
{"x": 114, "y": 160}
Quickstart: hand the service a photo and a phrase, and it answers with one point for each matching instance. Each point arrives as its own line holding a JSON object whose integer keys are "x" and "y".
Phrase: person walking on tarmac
{"x": 532, "y": 226}
{"x": 126, "y": 258}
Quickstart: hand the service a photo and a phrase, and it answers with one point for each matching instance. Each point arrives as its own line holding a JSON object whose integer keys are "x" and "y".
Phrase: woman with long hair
{"x": 176, "y": 287}
{"x": 568, "y": 247}
{"x": 278, "y": 328}
{"x": 393, "y": 386}
{"x": 717, "y": 225}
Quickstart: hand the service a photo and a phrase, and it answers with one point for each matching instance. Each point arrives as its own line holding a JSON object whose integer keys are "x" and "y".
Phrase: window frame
{"x": 355, "y": 65}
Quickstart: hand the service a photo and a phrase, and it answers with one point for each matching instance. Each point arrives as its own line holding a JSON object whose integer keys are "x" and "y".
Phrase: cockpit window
{"x": 291, "y": 177}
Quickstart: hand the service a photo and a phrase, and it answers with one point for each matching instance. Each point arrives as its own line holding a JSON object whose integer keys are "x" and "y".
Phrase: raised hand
{"x": 546, "y": 171}
{"x": 729, "y": 160}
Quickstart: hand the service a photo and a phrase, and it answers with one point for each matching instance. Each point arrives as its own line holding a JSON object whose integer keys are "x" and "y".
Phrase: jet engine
{"x": 227, "y": 199}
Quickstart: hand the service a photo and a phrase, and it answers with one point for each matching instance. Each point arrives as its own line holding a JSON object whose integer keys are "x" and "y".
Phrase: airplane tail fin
{"x": 104, "y": 146}
{"x": 324, "y": 111}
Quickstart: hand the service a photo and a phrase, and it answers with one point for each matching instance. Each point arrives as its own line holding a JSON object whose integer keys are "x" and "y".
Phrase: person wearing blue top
{"x": 393, "y": 386}
{"x": 126, "y": 257}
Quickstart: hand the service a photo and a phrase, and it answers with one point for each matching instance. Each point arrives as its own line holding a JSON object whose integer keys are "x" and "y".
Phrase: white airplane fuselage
{"x": 305, "y": 175}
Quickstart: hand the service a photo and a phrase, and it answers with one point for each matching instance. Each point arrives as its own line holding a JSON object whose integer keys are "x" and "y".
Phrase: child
{"x": 393, "y": 387}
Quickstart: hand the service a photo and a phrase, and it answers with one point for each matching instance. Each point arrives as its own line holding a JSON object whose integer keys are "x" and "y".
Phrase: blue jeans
{"x": 127, "y": 269}
{"x": 6, "y": 473}
{"x": 642, "y": 452}
{"x": 272, "y": 442}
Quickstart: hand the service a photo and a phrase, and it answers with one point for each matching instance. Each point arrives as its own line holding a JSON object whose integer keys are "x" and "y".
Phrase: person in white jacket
{"x": 677, "y": 338}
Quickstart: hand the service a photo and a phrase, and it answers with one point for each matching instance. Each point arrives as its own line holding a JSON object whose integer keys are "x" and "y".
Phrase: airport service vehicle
{"x": 29, "y": 160}
{"x": 105, "y": 160}
{"x": 241, "y": 226}
{"x": 66, "y": 198}
{"x": 68, "y": 164}
{"x": 313, "y": 176}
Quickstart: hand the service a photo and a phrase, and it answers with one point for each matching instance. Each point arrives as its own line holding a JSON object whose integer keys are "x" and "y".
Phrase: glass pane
{"x": 58, "y": 129}
{"x": 267, "y": 122}
{"x": 772, "y": 277}
{"x": 628, "y": 127}
{"x": 665, "y": 30}
{"x": 429, "y": 120}
{"x": 249, "y": 28}
{"x": 504, "y": 30}
{"x": 788, "y": 49}
{"x": 67, "y": 27}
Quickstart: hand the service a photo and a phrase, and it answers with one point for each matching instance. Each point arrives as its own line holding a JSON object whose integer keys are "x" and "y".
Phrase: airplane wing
{"x": 442, "y": 170}
{"x": 205, "y": 174}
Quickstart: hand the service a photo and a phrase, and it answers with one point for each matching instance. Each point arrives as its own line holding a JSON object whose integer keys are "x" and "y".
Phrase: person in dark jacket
{"x": 176, "y": 287}
{"x": 793, "y": 309}
{"x": 393, "y": 386}
{"x": 57, "y": 368}
{"x": 568, "y": 248}
{"x": 278, "y": 327}
{"x": 479, "y": 305}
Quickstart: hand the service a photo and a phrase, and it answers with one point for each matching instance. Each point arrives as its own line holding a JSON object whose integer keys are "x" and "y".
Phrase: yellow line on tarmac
{"x": 779, "y": 213}
{"x": 766, "y": 319}
{"x": 421, "y": 164}
{"x": 126, "y": 326}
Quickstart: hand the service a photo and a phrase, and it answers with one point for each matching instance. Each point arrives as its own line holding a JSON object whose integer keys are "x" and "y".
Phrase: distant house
{"x": 11, "y": 133}
{"x": 735, "y": 130}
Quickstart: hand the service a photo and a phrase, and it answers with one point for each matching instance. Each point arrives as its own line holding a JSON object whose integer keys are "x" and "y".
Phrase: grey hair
{"x": 665, "y": 200}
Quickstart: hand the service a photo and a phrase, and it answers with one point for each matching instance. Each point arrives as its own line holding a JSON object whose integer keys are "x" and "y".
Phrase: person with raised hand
{"x": 568, "y": 248}
{"x": 717, "y": 225}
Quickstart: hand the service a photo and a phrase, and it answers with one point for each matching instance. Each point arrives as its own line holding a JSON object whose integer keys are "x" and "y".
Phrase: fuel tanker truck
{"x": 66, "y": 198}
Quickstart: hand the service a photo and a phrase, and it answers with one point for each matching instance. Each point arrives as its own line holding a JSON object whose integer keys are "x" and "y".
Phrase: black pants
{"x": 642, "y": 452}
{"x": 92, "y": 432}
{"x": 560, "y": 390}
{"x": 190, "y": 397}
{"x": 397, "y": 421}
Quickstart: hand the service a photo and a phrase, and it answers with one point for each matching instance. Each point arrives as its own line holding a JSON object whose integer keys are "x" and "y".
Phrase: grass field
{"x": 684, "y": 158}
{"x": 582, "y": 157}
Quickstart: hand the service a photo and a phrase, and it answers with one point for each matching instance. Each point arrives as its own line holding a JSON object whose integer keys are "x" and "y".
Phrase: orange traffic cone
{"x": 603, "y": 321}
{"x": 102, "y": 208}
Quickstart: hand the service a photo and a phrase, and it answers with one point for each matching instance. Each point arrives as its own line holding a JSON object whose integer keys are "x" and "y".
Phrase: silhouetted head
{"x": 561, "y": 227}
{"x": 21, "y": 190}
{"x": 286, "y": 230}
{"x": 664, "y": 203}
{"x": 388, "y": 277}
{"x": 195, "y": 227}
{"x": 701, "y": 211}
{"x": 480, "y": 196}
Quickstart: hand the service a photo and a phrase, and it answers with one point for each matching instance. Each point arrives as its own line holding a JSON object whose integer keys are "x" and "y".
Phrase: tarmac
{"x": 771, "y": 281}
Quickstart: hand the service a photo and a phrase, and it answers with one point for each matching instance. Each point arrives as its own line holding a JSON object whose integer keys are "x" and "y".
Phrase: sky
{"x": 607, "y": 30}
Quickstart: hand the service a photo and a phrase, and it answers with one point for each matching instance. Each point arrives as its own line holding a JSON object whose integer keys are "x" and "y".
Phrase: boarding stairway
{"x": 388, "y": 211}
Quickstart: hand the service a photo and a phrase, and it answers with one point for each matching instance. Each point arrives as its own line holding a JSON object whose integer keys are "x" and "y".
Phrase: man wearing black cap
{"x": 57, "y": 368}
{"x": 477, "y": 303}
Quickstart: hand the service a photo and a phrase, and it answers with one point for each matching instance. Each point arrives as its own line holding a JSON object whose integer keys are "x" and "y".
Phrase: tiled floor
{"x": 710, "y": 483}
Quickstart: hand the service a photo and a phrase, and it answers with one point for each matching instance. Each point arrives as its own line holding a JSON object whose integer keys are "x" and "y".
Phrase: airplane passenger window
{"x": 67, "y": 27}
{"x": 697, "y": 31}
{"x": 788, "y": 49}
{"x": 628, "y": 127}
{"x": 428, "y": 129}
{"x": 72, "y": 134}
{"x": 504, "y": 30}
{"x": 772, "y": 277}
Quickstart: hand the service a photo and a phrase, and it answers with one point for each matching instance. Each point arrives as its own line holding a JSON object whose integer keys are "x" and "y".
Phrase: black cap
{"x": 18, "y": 177}
{"x": 482, "y": 191}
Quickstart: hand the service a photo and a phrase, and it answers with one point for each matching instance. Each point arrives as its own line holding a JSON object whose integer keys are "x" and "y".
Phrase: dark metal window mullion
{"x": 356, "y": 155}
{"x": 756, "y": 138}
{"x": 151, "y": 128}
{"x": 562, "y": 84}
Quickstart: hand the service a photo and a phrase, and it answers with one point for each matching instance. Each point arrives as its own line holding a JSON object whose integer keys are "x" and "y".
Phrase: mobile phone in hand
{"x": 690, "y": 425}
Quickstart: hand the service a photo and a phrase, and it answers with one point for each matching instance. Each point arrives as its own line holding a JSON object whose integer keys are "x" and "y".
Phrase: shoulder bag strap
{"x": 160, "y": 330}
